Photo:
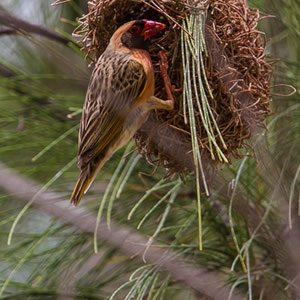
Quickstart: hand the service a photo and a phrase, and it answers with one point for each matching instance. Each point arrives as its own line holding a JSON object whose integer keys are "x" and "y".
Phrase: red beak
{"x": 151, "y": 28}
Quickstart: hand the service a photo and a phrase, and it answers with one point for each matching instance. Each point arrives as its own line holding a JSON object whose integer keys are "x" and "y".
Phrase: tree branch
{"x": 18, "y": 25}
{"x": 7, "y": 31}
{"x": 131, "y": 243}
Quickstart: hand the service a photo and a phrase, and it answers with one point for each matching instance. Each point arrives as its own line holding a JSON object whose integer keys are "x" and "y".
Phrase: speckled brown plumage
{"x": 119, "y": 98}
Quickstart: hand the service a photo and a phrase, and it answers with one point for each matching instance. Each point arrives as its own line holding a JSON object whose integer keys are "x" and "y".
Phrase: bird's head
{"x": 137, "y": 34}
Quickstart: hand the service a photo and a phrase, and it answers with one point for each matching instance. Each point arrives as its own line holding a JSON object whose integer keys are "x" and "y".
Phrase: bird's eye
{"x": 135, "y": 29}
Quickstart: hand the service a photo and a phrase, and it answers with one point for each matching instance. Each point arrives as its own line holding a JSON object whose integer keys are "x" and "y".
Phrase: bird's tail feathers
{"x": 84, "y": 182}
{"x": 82, "y": 185}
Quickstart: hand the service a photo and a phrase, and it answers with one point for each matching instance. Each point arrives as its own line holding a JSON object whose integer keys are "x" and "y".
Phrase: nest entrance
{"x": 106, "y": 16}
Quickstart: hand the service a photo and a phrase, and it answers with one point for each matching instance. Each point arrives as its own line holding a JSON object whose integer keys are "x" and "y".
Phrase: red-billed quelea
{"x": 119, "y": 98}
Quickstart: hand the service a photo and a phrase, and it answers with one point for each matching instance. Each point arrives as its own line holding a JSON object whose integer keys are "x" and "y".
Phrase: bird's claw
{"x": 169, "y": 104}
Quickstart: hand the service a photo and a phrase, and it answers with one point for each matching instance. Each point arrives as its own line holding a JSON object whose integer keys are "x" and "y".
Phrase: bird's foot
{"x": 156, "y": 103}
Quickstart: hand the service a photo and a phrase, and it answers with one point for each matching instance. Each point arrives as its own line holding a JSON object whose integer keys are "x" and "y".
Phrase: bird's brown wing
{"x": 116, "y": 82}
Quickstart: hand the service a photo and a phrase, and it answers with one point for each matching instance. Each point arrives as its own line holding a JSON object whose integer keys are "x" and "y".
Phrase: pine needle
{"x": 120, "y": 184}
{"x": 159, "y": 185}
{"x": 42, "y": 190}
{"x": 112, "y": 181}
{"x": 55, "y": 142}
{"x": 292, "y": 192}
{"x": 231, "y": 223}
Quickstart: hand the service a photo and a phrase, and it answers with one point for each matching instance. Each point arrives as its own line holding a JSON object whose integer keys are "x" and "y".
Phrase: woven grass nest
{"x": 236, "y": 78}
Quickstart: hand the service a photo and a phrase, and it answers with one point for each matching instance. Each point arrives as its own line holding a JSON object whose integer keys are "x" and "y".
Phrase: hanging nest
{"x": 236, "y": 71}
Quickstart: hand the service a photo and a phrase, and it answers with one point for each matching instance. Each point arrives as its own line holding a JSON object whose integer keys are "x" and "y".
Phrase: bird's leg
{"x": 163, "y": 63}
{"x": 154, "y": 102}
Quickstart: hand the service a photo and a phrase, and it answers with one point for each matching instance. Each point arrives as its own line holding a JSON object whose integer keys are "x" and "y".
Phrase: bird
{"x": 119, "y": 98}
